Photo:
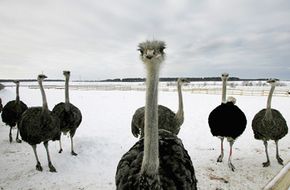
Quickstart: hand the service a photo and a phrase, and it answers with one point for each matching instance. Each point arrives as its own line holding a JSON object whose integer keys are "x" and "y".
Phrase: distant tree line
{"x": 29, "y": 80}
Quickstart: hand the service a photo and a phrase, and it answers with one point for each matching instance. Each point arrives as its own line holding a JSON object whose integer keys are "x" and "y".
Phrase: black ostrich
{"x": 1, "y": 106}
{"x": 159, "y": 160}
{"x": 70, "y": 116}
{"x": 167, "y": 119}
{"x": 39, "y": 124}
{"x": 12, "y": 112}
{"x": 269, "y": 124}
{"x": 227, "y": 121}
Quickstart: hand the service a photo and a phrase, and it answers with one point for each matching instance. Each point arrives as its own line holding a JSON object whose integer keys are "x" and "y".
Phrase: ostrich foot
{"x": 231, "y": 166}
{"x": 18, "y": 141}
{"x": 60, "y": 150}
{"x": 38, "y": 166}
{"x": 266, "y": 164}
{"x": 73, "y": 153}
{"x": 280, "y": 160}
{"x": 220, "y": 158}
{"x": 51, "y": 167}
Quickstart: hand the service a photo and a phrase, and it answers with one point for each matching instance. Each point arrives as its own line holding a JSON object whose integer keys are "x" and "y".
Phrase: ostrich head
{"x": 66, "y": 73}
{"x": 183, "y": 81}
{"x": 152, "y": 52}
{"x": 225, "y": 76}
{"x": 272, "y": 81}
{"x": 41, "y": 77}
{"x": 16, "y": 82}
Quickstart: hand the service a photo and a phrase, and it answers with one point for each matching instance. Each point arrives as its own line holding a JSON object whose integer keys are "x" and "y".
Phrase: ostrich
{"x": 39, "y": 124}
{"x": 159, "y": 160}
{"x": 70, "y": 116}
{"x": 12, "y": 112}
{"x": 167, "y": 119}
{"x": 269, "y": 124}
{"x": 1, "y": 106}
{"x": 227, "y": 120}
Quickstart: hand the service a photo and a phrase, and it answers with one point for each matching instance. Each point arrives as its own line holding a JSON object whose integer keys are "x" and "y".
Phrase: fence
{"x": 237, "y": 90}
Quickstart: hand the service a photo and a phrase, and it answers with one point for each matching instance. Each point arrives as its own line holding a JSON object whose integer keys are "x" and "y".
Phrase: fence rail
{"x": 238, "y": 90}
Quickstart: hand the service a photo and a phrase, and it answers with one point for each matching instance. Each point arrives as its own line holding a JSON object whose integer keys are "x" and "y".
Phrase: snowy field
{"x": 105, "y": 135}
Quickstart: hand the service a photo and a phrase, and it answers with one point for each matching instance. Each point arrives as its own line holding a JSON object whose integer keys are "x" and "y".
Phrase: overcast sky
{"x": 97, "y": 39}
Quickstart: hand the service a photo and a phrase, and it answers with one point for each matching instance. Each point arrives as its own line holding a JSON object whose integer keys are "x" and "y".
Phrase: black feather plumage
{"x": 12, "y": 112}
{"x": 38, "y": 126}
{"x": 70, "y": 117}
{"x": 273, "y": 129}
{"x": 1, "y": 106}
{"x": 175, "y": 170}
{"x": 166, "y": 120}
{"x": 227, "y": 120}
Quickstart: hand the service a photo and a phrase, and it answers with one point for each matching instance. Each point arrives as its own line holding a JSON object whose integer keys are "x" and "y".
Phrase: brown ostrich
{"x": 159, "y": 160}
{"x": 269, "y": 124}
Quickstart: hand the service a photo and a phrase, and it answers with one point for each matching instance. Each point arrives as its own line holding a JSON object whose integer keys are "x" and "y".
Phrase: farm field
{"x": 105, "y": 135}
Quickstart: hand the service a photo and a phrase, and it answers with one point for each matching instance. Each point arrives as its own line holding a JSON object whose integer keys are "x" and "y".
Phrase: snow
{"x": 278, "y": 177}
{"x": 105, "y": 135}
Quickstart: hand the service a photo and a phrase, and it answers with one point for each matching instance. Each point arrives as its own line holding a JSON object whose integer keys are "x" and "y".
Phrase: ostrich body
{"x": 70, "y": 116}
{"x": 1, "y": 106}
{"x": 227, "y": 121}
{"x": 167, "y": 119}
{"x": 12, "y": 112}
{"x": 159, "y": 160}
{"x": 269, "y": 124}
{"x": 39, "y": 124}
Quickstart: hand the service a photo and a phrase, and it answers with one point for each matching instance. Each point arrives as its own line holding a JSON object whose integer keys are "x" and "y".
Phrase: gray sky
{"x": 97, "y": 39}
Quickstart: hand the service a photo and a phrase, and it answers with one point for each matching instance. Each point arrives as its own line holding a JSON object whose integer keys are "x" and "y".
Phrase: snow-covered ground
{"x": 105, "y": 135}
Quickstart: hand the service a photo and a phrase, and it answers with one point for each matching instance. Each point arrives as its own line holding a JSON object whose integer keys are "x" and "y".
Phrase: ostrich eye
{"x": 162, "y": 49}
{"x": 141, "y": 51}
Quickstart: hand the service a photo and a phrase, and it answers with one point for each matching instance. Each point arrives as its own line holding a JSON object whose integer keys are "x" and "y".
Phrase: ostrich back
{"x": 12, "y": 112}
{"x": 166, "y": 120}
{"x": 274, "y": 129}
{"x": 69, "y": 120}
{"x": 36, "y": 127}
{"x": 175, "y": 170}
{"x": 227, "y": 120}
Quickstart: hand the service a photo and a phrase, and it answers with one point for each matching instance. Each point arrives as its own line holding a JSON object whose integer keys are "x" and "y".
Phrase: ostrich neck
{"x": 224, "y": 91}
{"x": 150, "y": 162}
{"x": 180, "y": 113}
{"x": 268, "y": 110}
{"x": 67, "y": 92}
{"x": 44, "y": 101}
{"x": 17, "y": 94}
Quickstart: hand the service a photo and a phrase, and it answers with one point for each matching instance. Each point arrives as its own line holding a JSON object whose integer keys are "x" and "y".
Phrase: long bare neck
{"x": 17, "y": 93}
{"x": 67, "y": 92}
{"x": 268, "y": 114}
{"x": 44, "y": 101}
{"x": 180, "y": 113}
{"x": 224, "y": 90}
{"x": 150, "y": 162}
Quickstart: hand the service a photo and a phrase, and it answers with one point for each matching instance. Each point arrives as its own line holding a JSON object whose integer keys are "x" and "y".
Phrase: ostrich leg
{"x": 10, "y": 135}
{"x": 280, "y": 161}
{"x": 72, "y": 147}
{"x": 38, "y": 165}
{"x": 220, "y": 158}
{"x": 60, "y": 147}
{"x": 266, "y": 164}
{"x": 17, "y": 135}
{"x": 232, "y": 167}
{"x": 72, "y": 133}
{"x": 51, "y": 167}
